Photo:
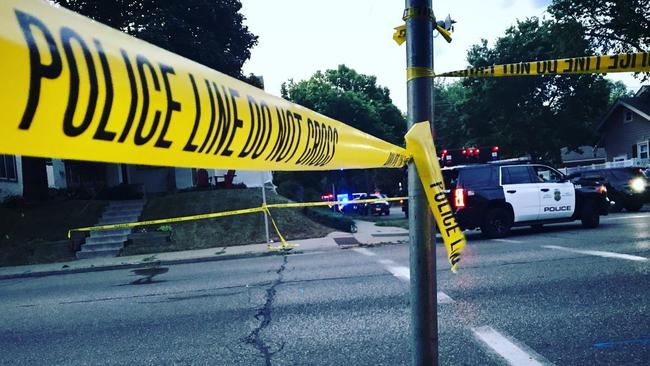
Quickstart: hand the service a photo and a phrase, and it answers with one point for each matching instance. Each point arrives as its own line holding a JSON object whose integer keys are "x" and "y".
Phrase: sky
{"x": 299, "y": 37}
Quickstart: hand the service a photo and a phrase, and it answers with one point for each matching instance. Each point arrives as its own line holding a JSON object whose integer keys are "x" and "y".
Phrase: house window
{"x": 642, "y": 150}
{"x": 8, "y": 168}
{"x": 627, "y": 117}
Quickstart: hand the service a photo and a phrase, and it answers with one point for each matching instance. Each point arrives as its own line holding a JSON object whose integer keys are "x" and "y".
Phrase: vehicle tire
{"x": 633, "y": 206}
{"x": 589, "y": 215}
{"x": 497, "y": 223}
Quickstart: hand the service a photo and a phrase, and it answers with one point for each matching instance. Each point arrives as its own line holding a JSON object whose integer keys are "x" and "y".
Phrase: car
{"x": 379, "y": 207}
{"x": 626, "y": 187}
{"x": 496, "y": 196}
{"x": 350, "y": 206}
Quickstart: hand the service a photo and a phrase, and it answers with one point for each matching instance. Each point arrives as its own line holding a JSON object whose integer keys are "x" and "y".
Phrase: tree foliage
{"x": 350, "y": 97}
{"x": 210, "y": 32}
{"x": 534, "y": 115}
{"x": 356, "y": 100}
{"x": 609, "y": 25}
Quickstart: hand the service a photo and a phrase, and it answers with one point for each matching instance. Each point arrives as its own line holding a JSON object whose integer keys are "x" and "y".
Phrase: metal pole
{"x": 266, "y": 218}
{"x": 424, "y": 316}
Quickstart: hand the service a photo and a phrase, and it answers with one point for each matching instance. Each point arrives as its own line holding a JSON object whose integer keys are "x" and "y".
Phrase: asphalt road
{"x": 564, "y": 296}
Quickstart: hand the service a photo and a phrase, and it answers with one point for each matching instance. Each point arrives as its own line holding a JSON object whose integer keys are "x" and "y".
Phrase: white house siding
{"x": 184, "y": 178}
{"x": 11, "y": 188}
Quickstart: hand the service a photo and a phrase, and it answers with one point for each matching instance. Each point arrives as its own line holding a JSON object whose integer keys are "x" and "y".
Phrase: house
{"x": 11, "y": 176}
{"x": 94, "y": 177}
{"x": 625, "y": 129}
{"x": 583, "y": 155}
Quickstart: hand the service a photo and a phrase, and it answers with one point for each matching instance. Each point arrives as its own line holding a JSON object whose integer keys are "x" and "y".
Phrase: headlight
{"x": 638, "y": 185}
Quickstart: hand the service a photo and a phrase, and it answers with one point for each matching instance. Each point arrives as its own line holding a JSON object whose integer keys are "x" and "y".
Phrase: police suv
{"x": 499, "y": 195}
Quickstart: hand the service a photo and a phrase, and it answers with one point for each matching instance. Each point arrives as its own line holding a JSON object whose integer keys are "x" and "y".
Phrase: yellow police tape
{"x": 399, "y": 36}
{"x": 264, "y": 208}
{"x": 625, "y": 62}
{"x": 75, "y": 89}
{"x": 419, "y": 141}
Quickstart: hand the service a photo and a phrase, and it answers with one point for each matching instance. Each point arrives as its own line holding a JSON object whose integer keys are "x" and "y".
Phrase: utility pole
{"x": 419, "y": 62}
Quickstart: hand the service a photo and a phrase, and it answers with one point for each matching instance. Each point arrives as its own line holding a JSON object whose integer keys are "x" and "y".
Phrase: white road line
{"x": 508, "y": 241}
{"x": 400, "y": 272}
{"x": 364, "y": 251}
{"x": 625, "y": 217}
{"x": 443, "y": 298}
{"x": 505, "y": 348}
{"x": 599, "y": 253}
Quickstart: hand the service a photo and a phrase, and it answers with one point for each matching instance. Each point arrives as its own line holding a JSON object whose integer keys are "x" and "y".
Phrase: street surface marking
{"x": 364, "y": 251}
{"x": 400, "y": 272}
{"x": 508, "y": 241}
{"x": 512, "y": 353}
{"x": 599, "y": 253}
{"x": 403, "y": 273}
{"x": 443, "y": 298}
{"x": 625, "y": 217}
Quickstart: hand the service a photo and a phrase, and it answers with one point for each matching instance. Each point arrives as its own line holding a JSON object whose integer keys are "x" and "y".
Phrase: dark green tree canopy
{"x": 609, "y": 25}
{"x": 352, "y": 98}
{"x": 534, "y": 115}
{"x": 210, "y": 32}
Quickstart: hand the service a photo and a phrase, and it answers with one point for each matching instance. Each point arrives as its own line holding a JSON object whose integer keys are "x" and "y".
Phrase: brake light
{"x": 459, "y": 198}
{"x": 602, "y": 189}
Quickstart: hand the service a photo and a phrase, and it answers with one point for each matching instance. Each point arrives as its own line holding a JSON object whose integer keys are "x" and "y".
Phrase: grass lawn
{"x": 225, "y": 231}
{"x": 25, "y": 231}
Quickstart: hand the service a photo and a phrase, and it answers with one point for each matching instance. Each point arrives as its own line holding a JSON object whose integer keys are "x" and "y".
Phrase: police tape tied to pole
{"x": 75, "y": 89}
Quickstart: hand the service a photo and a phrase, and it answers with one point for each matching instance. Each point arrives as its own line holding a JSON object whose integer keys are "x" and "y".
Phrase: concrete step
{"x": 117, "y": 220}
{"x": 110, "y": 232}
{"x": 114, "y": 245}
{"x": 106, "y": 239}
{"x": 82, "y": 254}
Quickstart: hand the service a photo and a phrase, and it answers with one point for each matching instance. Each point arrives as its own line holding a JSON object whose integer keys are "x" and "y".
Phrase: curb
{"x": 139, "y": 265}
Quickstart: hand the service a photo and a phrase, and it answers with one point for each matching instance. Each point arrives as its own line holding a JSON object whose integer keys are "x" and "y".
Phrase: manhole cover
{"x": 348, "y": 240}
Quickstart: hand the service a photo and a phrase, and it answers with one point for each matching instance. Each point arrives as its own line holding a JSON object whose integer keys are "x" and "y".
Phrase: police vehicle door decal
{"x": 557, "y": 199}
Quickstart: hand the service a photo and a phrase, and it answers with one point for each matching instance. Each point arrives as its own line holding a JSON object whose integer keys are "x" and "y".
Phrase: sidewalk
{"x": 367, "y": 234}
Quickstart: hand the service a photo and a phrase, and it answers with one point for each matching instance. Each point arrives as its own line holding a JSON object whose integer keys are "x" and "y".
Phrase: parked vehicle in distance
{"x": 379, "y": 207}
{"x": 626, "y": 187}
{"x": 499, "y": 195}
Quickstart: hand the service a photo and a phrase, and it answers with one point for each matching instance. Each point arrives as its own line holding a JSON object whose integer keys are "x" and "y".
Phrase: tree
{"x": 534, "y": 115}
{"x": 210, "y": 32}
{"x": 357, "y": 100}
{"x": 609, "y": 25}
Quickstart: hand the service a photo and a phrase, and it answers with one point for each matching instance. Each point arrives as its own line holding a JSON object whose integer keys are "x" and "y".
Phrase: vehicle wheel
{"x": 589, "y": 216}
{"x": 497, "y": 224}
{"x": 633, "y": 206}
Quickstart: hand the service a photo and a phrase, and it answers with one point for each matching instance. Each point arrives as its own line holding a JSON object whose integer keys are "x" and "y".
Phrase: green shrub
{"x": 332, "y": 219}
{"x": 292, "y": 190}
